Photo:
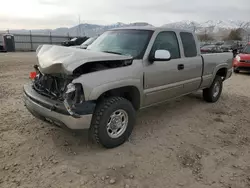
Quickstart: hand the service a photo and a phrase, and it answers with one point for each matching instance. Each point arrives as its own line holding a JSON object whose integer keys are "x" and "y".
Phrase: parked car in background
{"x": 123, "y": 70}
{"x": 242, "y": 60}
{"x": 219, "y": 43}
{"x": 202, "y": 44}
{"x": 212, "y": 48}
{"x": 74, "y": 41}
{"x": 85, "y": 44}
{"x": 228, "y": 46}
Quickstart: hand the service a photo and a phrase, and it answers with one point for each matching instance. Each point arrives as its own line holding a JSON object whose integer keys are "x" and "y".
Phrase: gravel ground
{"x": 183, "y": 143}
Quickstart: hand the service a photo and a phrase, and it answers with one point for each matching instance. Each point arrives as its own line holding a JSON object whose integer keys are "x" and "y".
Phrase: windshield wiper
{"x": 112, "y": 52}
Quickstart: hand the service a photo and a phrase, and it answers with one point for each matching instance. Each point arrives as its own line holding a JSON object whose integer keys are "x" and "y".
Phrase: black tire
{"x": 100, "y": 119}
{"x": 208, "y": 93}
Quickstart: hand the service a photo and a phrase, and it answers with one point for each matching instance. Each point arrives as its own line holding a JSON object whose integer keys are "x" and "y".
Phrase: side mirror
{"x": 160, "y": 55}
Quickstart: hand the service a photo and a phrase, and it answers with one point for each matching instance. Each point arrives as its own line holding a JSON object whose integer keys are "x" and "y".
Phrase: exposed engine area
{"x": 51, "y": 86}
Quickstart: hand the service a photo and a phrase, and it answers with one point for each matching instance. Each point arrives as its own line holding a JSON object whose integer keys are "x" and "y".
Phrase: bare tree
{"x": 241, "y": 32}
{"x": 205, "y": 37}
{"x": 193, "y": 26}
{"x": 235, "y": 34}
{"x": 243, "y": 25}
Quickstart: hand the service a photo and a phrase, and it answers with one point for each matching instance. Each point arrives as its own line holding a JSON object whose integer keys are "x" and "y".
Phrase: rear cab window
{"x": 189, "y": 44}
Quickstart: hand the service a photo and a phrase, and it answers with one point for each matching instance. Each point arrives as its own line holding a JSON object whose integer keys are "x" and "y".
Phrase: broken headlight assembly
{"x": 73, "y": 96}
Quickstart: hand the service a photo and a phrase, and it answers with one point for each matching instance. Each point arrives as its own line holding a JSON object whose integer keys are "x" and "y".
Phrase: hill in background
{"x": 217, "y": 28}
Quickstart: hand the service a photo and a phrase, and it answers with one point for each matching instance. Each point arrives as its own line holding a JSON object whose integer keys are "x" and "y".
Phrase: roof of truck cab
{"x": 151, "y": 28}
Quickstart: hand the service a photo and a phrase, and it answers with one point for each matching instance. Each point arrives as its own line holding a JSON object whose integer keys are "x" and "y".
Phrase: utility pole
{"x": 79, "y": 25}
{"x": 194, "y": 27}
{"x": 31, "y": 43}
{"x": 206, "y": 34}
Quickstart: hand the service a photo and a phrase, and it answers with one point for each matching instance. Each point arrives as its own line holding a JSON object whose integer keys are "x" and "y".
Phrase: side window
{"x": 189, "y": 44}
{"x": 167, "y": 40}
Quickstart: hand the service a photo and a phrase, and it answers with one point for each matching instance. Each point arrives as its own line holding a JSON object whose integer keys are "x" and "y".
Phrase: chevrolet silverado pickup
{"x": 124, "y": 70}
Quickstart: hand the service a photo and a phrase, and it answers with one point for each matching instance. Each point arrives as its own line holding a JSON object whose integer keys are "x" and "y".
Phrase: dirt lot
{"x": 183, "y": 143}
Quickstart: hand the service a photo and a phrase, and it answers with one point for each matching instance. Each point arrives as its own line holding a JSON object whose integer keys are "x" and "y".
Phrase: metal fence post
{"x": 50, "y": 37}
{"x": 31, "y": 43}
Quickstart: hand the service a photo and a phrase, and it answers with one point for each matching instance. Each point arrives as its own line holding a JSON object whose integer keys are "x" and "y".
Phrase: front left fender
{"x": 99, "y": 90}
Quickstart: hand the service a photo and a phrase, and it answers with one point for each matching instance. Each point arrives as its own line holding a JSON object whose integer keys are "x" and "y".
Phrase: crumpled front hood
{"x": 54, "y": 59}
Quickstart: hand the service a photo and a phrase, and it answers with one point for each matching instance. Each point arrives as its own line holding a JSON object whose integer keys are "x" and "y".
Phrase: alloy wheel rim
{"x": 117, "y": 123}
{"x": 216, "y": 89}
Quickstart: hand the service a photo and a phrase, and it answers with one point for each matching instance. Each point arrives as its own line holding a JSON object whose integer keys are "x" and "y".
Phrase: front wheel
{"x": 112, "y": 122}
{"x": 213, "y": 93}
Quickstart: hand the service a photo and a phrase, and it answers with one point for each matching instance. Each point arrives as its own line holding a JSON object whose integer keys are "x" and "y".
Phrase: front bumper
{"x": 55, "y": 112}
{"x": 241, "y": 65}
{"x": 241, "y": 68}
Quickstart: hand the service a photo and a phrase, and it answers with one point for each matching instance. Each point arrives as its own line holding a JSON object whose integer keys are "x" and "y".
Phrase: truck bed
{"x": 213, "y": 60}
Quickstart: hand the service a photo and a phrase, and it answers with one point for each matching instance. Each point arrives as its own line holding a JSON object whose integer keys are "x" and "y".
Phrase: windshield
{"x": 129, "y": 42}
{"x": 88, "y": 42}
{"x": 247, "y": 49}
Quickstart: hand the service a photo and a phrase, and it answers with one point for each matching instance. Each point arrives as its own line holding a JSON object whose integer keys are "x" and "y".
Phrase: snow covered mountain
{"x": 79, "y": 30}
{"x": 210, "y": 26}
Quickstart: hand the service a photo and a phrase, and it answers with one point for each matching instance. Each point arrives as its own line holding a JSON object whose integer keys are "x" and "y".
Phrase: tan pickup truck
{"x": 121, "y": 72}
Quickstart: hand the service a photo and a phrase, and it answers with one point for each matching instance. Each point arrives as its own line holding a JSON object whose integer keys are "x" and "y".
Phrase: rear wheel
{"x": 213, "y": 93}
{"x": 112, "y": 122}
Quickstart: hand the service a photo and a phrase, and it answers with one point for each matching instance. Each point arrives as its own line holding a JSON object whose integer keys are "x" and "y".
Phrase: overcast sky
{"x": 36, "y": 14}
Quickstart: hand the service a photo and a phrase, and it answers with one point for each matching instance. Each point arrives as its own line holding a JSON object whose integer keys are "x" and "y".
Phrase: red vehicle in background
{"x": 242, "y": 60}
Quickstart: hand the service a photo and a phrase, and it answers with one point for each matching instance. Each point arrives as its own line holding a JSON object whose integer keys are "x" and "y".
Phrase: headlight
{"x": 237, "y": 58}
{"x": 74, "y": 93}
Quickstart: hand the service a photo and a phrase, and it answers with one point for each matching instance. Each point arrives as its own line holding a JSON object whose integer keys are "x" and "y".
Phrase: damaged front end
{"x": 59, "y": 87}
{"x": 54, "y": 92}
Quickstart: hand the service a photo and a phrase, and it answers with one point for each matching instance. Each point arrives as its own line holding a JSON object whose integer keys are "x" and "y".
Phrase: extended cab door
{"x": 164, "y": 79}
{"x": 192, "y": 62}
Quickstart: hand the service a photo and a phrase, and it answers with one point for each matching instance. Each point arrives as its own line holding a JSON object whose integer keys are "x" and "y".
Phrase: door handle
{"x": 180, "y": 67}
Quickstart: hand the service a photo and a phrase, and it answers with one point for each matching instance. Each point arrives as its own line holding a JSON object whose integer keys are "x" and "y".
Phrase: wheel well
{"x": 222, "y": 72}
{"x": 130, "y": 93}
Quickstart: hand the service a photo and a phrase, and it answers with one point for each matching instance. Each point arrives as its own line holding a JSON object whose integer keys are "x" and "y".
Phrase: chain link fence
{"x": 30, "y": 42}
